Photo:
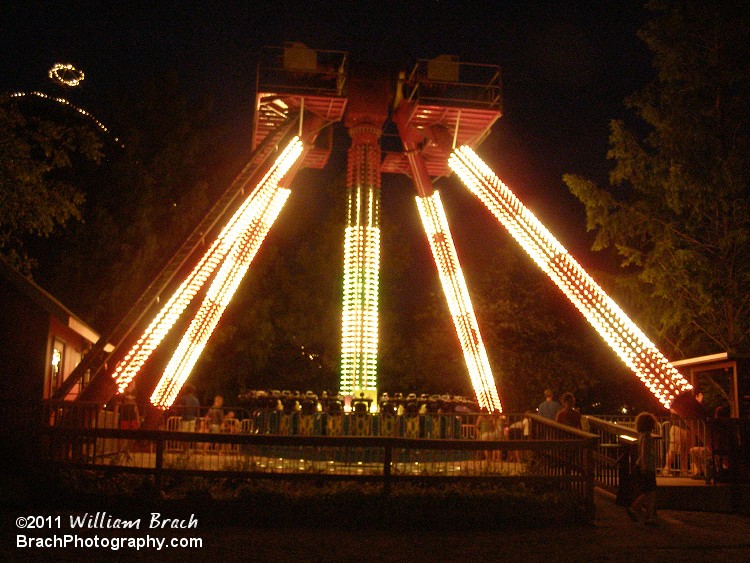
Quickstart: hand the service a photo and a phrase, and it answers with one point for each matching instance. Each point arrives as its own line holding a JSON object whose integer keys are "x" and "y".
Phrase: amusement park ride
{"x": 442, "y": 110}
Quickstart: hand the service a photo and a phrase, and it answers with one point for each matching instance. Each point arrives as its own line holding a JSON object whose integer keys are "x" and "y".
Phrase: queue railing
{"x": 613, "y": 452}
{"x": 516, "y": 448}
{"x": 683, "y": 448}
{"x": 562, "y": 462}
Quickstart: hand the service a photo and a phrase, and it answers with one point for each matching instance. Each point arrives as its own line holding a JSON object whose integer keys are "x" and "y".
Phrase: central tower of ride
{"x": 441, "y": 109}
{"x": 364, "y": 118}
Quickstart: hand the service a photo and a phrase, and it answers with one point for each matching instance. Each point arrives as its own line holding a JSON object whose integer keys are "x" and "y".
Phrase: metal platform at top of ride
{"x": 464, "y": 98}
{"x": 297, "y": 79}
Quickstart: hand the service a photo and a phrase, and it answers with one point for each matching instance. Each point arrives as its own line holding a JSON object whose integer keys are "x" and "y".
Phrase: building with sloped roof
{"x": 41, "y": 340}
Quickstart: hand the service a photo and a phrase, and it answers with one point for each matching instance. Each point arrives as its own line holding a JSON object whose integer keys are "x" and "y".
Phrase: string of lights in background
{"x": 615, "y": 327}
{"x": 456, "y": 293}
{"x": 218, "y": 297}
{"x": 68, "y": 103}
{"x": 244, "y": 219}
{"x": 359, "y": 324}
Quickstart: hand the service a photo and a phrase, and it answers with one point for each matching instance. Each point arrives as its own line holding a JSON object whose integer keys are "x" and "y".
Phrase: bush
{"x": 452, "y": 505}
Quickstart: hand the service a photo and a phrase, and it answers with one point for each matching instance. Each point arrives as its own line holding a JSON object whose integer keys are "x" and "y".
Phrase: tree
{"x": 140, "y": 203}
{"x": 535, "y": 338}
{"x": 38, "y": 188}
{"x": 677, "y": 209}
{"x": 282, "y": 329}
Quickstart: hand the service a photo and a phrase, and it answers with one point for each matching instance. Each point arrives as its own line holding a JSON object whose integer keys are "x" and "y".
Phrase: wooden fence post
{"x": 588, "y": 472}
{"x": 387, "y": 459}
{"x": 159, "y": 463}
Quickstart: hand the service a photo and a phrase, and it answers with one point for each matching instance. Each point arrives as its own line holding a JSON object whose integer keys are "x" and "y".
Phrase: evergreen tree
{"x": 678, "y": 206}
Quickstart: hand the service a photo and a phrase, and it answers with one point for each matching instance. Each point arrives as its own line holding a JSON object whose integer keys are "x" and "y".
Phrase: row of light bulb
{"x": 219, "y": 295}
{"x": 615, "y": 327}
{"x": 359, "y": 326}
{"x": 456, "y": 293}
{"x": 64, "y": 102}
{"x": 242, "y": 221}
{"x": 66, "y": 74}
{"x": 359, "y": 318}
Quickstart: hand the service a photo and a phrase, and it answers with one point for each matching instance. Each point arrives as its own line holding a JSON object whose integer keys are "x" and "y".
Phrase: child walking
{"x": 645, "y": 472}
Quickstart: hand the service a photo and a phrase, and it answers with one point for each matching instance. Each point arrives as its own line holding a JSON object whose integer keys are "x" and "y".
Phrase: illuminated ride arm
{"x": 456, "y": 293}
{"x": 243, "y": 219}
{"x": 452, "y": 280}
{"x": 612, "y": 324}
{"x": 220, "y": 294}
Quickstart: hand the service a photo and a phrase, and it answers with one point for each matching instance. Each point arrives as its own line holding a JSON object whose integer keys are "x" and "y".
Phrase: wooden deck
{"x": 684, "y": 493}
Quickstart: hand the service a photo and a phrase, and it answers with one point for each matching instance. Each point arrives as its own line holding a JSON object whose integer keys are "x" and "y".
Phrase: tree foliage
{"x": 140, "y": 203}
{"x": 535, "y": 338}
{"x": 677, "y": 209}
{"x": 282, "y": 329}
{"x": 38, "y": 188}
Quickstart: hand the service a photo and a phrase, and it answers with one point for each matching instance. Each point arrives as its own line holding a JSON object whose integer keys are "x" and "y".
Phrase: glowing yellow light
{"x": 359, "y": 321}
{"x": 614, "y": 326}
{"x": 220, "y": 293}
{"x": 359, "y": 344}
{"x": 459, "y": 303}
{"x": 64, "y": 102}
{"x": 245, "y": 218}
{"x": 56, "y": 357}
{"x": 66, "y": 74}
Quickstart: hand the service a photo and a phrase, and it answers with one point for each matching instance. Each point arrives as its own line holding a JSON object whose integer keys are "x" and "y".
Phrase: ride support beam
{"x": 412, "y": 139}
{"x": 456, "y": 293}
{"x": 268, "y": 205}
{"x": 244, "y": 218}
{"x": 437, "y": 230}
{"x": 359, "y": 324}
{"x": 599, "y": 309}
{"x": 369, "y": 97}
{"x": 110, "y": 348}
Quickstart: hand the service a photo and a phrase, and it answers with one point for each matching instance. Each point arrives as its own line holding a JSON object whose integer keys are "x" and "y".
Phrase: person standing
{"x": 549, "y": 408}
{"x": 216, "y": 415}
{"x": 699, "y": 450}
{"x": 127, "y": 411}
{"x": 486, "y": 430}
{"x": 190, "y": 409}
{"x": 645, "y": 472}
{"x": 677, "y": 448}
{"x": 568, "y": 415}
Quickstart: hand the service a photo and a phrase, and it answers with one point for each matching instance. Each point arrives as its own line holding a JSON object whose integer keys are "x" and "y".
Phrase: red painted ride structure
{"x": 442, "y": 109}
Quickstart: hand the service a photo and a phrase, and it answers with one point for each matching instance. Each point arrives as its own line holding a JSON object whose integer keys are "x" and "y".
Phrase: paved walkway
{"x": 683, "y": 536}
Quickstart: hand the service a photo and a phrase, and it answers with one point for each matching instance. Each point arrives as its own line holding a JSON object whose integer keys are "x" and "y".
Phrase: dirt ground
{"x": 682, "y": 536}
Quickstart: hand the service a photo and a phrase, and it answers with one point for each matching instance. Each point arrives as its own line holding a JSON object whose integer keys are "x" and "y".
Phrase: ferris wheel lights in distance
{"x": 66, "y": 74}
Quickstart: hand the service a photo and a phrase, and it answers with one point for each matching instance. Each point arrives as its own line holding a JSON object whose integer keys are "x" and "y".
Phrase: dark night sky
{"x": 567, "y": 67}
